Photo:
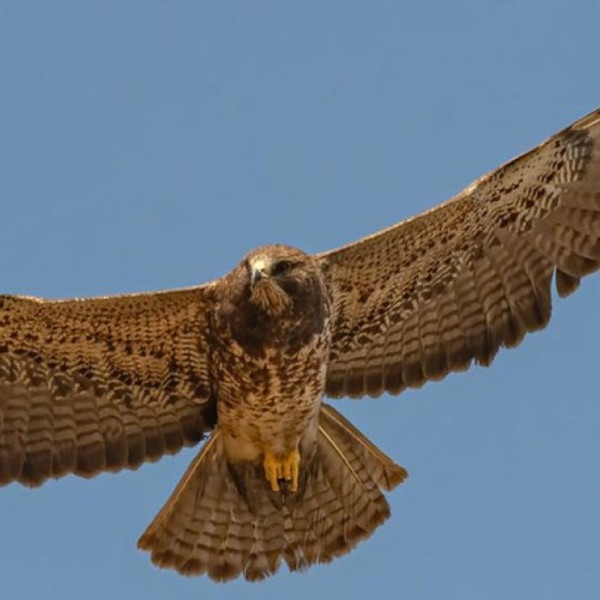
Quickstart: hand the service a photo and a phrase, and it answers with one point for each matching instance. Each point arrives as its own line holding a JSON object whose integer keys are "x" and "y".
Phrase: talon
{"x": 291, "y": 468}
{"x": 271, "y": 467}
{"x": 286, "y": 469}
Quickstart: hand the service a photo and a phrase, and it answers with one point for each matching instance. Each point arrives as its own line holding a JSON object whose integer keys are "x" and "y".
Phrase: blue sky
{"x": 149, "y": 145}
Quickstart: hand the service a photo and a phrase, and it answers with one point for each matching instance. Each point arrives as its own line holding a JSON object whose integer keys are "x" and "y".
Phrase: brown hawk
{"x": 104, "y": 384}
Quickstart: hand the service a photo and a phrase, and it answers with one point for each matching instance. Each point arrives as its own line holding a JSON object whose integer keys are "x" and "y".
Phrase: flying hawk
{"x": 103, "y": 384}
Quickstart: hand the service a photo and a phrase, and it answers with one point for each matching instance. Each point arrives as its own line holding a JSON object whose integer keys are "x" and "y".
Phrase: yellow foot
{"x": 286, "y": 468}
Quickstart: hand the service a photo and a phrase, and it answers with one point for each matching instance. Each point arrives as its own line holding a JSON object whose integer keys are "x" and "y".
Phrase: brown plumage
{"x": 109, "y": 383}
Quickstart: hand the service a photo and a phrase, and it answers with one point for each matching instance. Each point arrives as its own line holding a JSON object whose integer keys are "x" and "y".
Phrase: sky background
{"x": 149, "y": 145}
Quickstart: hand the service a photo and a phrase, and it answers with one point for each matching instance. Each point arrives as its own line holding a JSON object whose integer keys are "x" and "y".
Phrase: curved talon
{"x": 270, "y": 465}
{"x": 286, "y": 468}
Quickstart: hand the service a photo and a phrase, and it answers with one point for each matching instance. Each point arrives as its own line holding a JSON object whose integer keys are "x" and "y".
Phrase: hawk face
{"x": 277, "y": 295}
{"x": 283, "y": 280}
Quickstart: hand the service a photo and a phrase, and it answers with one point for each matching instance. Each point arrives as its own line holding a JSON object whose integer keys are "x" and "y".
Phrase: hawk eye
{"x": 281, "y": 267}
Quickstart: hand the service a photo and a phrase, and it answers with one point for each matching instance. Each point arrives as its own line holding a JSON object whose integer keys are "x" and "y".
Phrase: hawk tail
{"x": 223, "y": 520}
{"x": 342, "y": 502}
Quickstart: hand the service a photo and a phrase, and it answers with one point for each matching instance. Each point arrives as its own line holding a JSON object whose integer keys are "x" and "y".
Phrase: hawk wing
{"x": 430, "y": 295}
{"x": 102, "y": 383}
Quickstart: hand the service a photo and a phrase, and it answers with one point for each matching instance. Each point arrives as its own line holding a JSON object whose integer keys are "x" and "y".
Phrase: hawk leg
{"x": 286, "y": 468}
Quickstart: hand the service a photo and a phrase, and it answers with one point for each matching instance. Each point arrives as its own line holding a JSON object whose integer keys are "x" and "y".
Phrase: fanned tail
{"x": 223, "y": 520}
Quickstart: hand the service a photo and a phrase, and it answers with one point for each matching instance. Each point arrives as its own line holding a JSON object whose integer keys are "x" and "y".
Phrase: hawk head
{"x": 281, "y": 279}
{"x": 276, "y": 295}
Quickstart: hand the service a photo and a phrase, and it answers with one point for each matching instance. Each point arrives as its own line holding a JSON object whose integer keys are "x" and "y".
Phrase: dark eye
{"x": 281, "y": 267}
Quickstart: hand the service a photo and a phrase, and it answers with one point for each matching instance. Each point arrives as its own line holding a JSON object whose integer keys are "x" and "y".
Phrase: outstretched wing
{"x": 102, "y": 383}
{"x": 430, "y": 295}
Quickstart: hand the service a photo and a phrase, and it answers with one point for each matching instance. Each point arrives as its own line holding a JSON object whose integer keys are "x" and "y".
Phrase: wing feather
{"x": 101, "y": 384}
{"x": 428, "y": 296}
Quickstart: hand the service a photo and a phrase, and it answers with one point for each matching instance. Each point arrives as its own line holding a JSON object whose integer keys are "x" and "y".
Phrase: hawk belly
{"x": 269, "y": 402}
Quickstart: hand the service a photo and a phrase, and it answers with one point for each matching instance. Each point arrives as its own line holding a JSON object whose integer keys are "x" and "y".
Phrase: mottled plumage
{"x": 108, "y": 383}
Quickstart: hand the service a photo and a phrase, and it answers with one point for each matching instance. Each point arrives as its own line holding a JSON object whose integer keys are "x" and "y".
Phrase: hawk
{"x": 103, "y": 384}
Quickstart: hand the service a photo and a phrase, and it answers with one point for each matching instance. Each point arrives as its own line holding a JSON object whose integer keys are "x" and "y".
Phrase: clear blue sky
{"x": 149, "y": 145}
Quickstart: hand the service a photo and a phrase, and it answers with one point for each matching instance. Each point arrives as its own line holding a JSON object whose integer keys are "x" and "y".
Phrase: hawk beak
{"x": 259, "y": 271}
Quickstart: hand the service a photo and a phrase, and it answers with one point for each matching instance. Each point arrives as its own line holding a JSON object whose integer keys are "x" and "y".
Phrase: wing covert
{"x": 101, "y": 384}
{"x": 429, "y": 295}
